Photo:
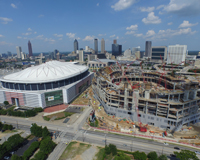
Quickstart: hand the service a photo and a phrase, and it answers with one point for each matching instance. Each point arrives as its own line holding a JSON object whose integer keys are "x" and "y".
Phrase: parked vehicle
{"x": 177, "y": 148}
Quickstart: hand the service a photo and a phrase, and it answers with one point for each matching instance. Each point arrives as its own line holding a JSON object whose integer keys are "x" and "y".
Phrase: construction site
{"x": 130, "y": 100}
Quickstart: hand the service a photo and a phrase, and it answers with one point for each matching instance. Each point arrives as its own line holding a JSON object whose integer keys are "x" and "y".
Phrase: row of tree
{"x": 46, "y": 146}
{"x": 13, "y": 142}
{"x": 112, "y": 149}
{"x": 28, "y": 113}
{"x": 5, "y": 127}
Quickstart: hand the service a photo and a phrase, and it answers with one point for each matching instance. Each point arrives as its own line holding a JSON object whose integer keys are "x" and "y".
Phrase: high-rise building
{"x": 134, "y": 50}
{"x": 127, "y": 53}
{"x": 159, "y": 54}
{"x": 81, "y": 55}
{"x": 96, "y": 46}
{"x": 102, "y": 45}
{"x": 116, "y": 49}
{"x": 148, "y": 49}
{"x": 54, "y": 55}
{"x": 9, "y": 54}
{"x": 176, "y": 54}
{"x": 30, "y": 53}
{"x": 19, "y": 50}
{"x": 114, "y": 41}
{"x": 75, "y": 45}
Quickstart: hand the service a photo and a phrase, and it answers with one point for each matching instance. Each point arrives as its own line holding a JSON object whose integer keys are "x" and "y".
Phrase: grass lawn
{"x": 30, "y": 137}
{"x": 59, "y": 115}
{"x": 99, "y": 155}
{"x": 10, "y": 131}
{"x": 74, "y": 149}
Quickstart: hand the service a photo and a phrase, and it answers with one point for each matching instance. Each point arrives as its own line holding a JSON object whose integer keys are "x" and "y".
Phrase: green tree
{"x": 10, "y": 127}
{"x": 186, "y": 155}
{"x": 1, "y": 125}
{"x": 47, "y": 145}
{"x": 45, "y": 132}
{"x": 29, "y": 152}
{"x": 162, "y": 157}
{"x": 152, "y": 156}
{"x": 113, "y": 149}
{"x": 122, "y": 156}
{"x": 39, "y": 156}
{"x": 107, "y": 150}
{"x": 139, "y": 155}
{"x": 5, "y": 127}
{"x": 36, "y": 130}
{"x": 16, "y": 157}
{"x": 6, "y": 103}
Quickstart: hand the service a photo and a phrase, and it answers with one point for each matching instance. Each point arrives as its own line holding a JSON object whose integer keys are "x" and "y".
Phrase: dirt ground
{"x": 58, "y": 115}
{"x": 82, "y": 99}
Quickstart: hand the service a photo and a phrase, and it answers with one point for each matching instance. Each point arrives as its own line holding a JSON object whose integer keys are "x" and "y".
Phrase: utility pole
{"x": 105, "y": 139}
{"x": 17, "y": 124}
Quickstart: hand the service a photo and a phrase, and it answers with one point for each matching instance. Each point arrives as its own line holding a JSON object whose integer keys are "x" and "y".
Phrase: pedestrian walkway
{"x": 57, "y": 152}
{"x": 55, "y": 108}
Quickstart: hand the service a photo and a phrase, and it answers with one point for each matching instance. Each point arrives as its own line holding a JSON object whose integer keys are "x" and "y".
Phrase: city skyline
{"x": 131, "y": 22}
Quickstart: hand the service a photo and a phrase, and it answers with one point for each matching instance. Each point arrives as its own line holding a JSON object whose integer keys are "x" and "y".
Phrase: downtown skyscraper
{"x": 19, "y": 50}
{"x": 96, "y": 46}
{"x": 75, "y": 45}
{"x": 148, "y": 49}
{"x": 30, "y": 53}
{"x": 102, "y": 45}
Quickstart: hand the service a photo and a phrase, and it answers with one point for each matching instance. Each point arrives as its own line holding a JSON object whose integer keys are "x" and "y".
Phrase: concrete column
{"x": 146, "y": 107}
{"x": 168, "y": 97}
{"x": 179, "y": 97}
{"x": 168, "y": 110}
{"x": 156, "y": 108}
{"x": 174, "y": 87}
{"x": 125, "y": 98}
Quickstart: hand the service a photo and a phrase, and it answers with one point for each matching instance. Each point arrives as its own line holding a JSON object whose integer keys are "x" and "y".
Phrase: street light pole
{"x": 17, "y": 124}
{"x": 105, "y": 139}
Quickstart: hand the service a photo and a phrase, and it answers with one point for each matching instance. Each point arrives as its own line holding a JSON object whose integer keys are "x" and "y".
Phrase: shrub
{"x": 152, "y": 156}
{"x": 139, "y": 155}
{"x": 107, "y": 150}
{"x": 10, "y": 127}
{"x": 3, "y": 112}
{"x": 6, "y": 103}
{"x": 113, "y": 149}
{"x": 162, "y": 157}
{"x": 46, "y": 118}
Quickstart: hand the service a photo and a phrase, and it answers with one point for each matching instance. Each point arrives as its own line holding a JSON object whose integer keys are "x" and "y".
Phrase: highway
{"x": 68, "y": 133}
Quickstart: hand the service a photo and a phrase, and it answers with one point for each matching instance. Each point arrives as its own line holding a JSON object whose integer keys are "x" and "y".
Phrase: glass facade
{"x": 54, "y": 98}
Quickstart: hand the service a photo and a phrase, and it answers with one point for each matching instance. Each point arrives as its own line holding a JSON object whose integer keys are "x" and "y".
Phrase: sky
{"x": 51, "y": 24}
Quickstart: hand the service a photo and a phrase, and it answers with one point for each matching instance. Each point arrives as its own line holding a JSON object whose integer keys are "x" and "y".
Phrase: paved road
{"x": 67, "y": 133}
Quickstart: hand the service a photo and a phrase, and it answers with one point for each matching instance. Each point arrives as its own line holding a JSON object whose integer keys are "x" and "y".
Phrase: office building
{"x": 159, "y": 54}
{"x": 127, "y": 53}
{"x": 19, "y": 50}
{"x": 114, "y": 41}
{"x": 30, "y": 53}
{"x": 55, "y": 53}
{"x": 134, "y": 50}
{"x": 148, "y": 49}
{"x": 52, "y": 83}
{"x": 96, "y": 46}
{"x": 75, "y": 45}
{"x": 102, "y": 46}
{"x": 9, "y": 54}
{"x": 81, "y": 55}
{"x": 176, "y": 54}
{"x": 116, "y": 49}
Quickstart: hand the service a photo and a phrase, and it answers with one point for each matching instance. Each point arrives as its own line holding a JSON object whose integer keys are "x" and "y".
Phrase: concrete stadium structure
{"x": 45, "y": 85}
{"x": 162, "y": 101}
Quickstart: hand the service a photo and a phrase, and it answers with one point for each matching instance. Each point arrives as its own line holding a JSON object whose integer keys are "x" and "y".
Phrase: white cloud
{"x": 78, "y": 38}
{"x": 123, "y": 4}
{"x": 41, "y": 15}
{"x": 151, "y": 19}
{"x": 26, "y": 34}
{"x": 60, "y": 39}
{"x": 58, "y": 35}
{"x": 5, "y": 20}
{"x": 170, "y": 23}
{"x": 97, "y": 4}
{"x": 19, "y": 37}
{"x": 183, "y": 7}
{"x": 138, "y": 35}
{"x": 112, "y": 36}
{"x": 13, "y": 5}
{"x": 100, "y": 35}
{"x": 40, "y": 37}
{"x": 132, "y": 27}
{"x": 129, "y": 32}
{"x": 117, "y": 37}
{"x": 1, "y": 35}
{"x": 29, "y": 29}
{"x": 70, "y": 35}
{"x": 150, "y": 33}
{"x": 50, "y": 40}
{"x": 148, "y": 9}
{"x": 35, "y": 32}
{"x": 187, "y": 24}
{"x": 5, "y": 43}
{"x": 88, "y": 38}
{"x": 25, "y": 37}
{"x": 161, "y": 6}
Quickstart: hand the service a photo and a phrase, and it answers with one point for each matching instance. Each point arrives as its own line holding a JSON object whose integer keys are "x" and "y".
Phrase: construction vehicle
{"x": 190, "y": 137}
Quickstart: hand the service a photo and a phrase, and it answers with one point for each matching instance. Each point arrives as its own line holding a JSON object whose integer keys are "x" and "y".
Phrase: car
{"x": 197, "y": 152}
{"x": 124, "y": 145}
{"x": 6, "y": 157}
{"x": 166, "y": 143}
{"x": 172, "y": 155}
{"x": 177, "y": 148}
{"x": 12, "y": 152}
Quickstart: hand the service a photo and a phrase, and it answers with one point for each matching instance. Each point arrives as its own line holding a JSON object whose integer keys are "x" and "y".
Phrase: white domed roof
{"x": 47, "y": 72}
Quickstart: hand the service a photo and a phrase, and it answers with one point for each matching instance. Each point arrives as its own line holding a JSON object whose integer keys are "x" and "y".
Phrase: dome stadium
{"x": 51, "y": 83}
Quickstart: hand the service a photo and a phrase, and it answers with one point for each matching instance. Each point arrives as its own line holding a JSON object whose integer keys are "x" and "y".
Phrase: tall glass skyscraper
{"x": 75, "y": 45}
{"x": 148, "y": 50}
{"x": 102, "y": 46}
{"x": 96, "y": 46}
{"x": 19, "y": 50}
{"x": 30, "y": 49}
{"x": 116, "y": 49}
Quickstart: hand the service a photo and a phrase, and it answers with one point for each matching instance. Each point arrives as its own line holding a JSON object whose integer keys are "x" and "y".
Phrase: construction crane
{"x": 142, "y": 129}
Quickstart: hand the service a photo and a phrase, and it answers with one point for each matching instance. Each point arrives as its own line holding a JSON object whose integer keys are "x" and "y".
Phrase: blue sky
{"x": 51, "y": 24}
